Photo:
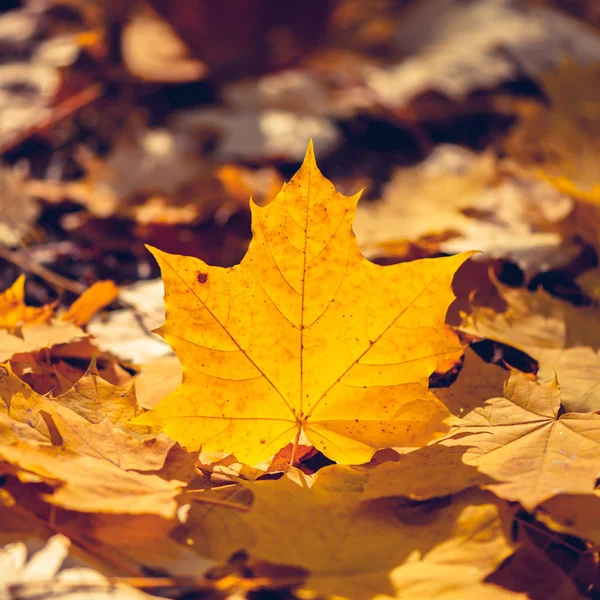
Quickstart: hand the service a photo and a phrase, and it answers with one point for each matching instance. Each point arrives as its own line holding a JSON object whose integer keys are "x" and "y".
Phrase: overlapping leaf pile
{"x": 362, "y": 407}
{"x": 307, "y": 354}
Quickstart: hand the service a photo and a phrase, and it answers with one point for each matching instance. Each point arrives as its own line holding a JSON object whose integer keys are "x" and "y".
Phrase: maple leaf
{"x": 305, "y": 334}
{"x": 554, "y": 333}
{"x": 87, "y": 484}
{"x": 477, "y": 382}
{"x": 361, "y": 549}
{"x": 123, "y": 446}
{"x": 91, "y": 419}
{"x": 96, "y": 399}
{"x": 20, "y": 410}
{"x": 523, "y": 441}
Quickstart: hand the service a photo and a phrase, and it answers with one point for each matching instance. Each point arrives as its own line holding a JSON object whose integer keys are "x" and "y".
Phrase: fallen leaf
{"x": 554, "y": 333}
{"x": 454, "y": 48}
{"x": 575, "y": 514}
{"x": 13, "y": 311}
{"x": 560, "y": 141}
{"x": 36, "y": 337}
{"x": 304, "y": 289}
{"x": 95, "y": 399}
{"x": 21, "y": 406}
{"x": 124, "y": 447}
{"x": 533, "y": 321}
{"x": 82, "y": 421}
{"x": 472, "y": 201}
{"x": 95, "y": 298}
{"x": 153, "y": 51}
{"x": 149, "y": 542}
{"x": 87, "y": 484}
{"x": 127, "y": 333}
{"x": 532, "y": 574}
{"x": 525, "y": 442}
{"x": 361, "y": 550}
{"x": 423, "y": 474}
{"x": 426, "y": 199}
{"x": 477, "y": 382}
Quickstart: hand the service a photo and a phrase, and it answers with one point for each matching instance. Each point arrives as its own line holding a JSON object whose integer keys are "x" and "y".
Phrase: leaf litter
{"x": 337, "y": 396}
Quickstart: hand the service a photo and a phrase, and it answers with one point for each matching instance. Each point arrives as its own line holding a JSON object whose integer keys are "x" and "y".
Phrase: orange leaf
{"x": 95, "y": 298}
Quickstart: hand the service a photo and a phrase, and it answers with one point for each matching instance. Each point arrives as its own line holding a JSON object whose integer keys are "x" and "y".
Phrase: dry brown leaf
{"x": 82, "y": 421}
{"x": 361, "y": 550}
{"x": 575, "y": 514}
{"x": 36, "y": 337}
{"x": 20, "y": 416}
{"x": 524, "y": 441}
{"x": 153, "y": 51}
{"x": 424, "y": 474}
{"x": 455, "y": 47}
{"x": 555, "y": 333}
{"x": 87, "y": 484}
{"x": 530, "y": 572}
{"x": 95, "y": 399}
{"x": 560, "y": 141}
{"x": 124, "y": 447}
{"x": 477, "y": 382}
{"x": 473, "y": 201}
{"x": 145, "y": 540}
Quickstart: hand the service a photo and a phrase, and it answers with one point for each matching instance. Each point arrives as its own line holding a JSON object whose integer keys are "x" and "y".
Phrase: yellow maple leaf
{"x": 14, "y": 313}
{"x": 305, "y": 334}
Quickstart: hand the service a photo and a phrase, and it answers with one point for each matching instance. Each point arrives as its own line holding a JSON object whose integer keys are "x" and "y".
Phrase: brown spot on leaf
{"x": 202, "y": 277}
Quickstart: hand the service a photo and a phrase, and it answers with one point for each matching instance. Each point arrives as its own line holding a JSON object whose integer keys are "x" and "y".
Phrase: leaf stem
{"x": 295, "y": 447}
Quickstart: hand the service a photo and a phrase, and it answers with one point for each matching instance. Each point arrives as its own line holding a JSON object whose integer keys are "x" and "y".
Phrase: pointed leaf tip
{"x": 309, "y": 157}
